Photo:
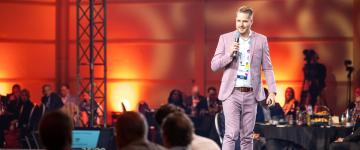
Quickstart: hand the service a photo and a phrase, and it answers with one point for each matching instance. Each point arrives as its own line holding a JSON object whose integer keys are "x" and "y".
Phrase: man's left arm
{"x": 268, "y": 70}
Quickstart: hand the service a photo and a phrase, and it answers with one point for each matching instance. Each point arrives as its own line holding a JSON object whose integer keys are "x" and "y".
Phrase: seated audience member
{"x": 177, "y": 132}
{"x": 214, "y": 104}
{"x": 50, "y": 100}
{"x": 196, "y": 104}
{"x": 176, "y": 98}
{"x": 356, "y": 93}
{"x": 9, "y": 119}
{"x": 85, "y": 110}
{"x": 131, "y": 133}
{"x": 10, "y": 111}
{"x": 290, "y": 102}
{"x": 66, "y": 96}
{"x": 160, "y": 114}
{"x": 354, "y": 139}
{"x": 273, "y": 143}
{"x": 276, "y": 112}
{"x": 197, "y": 108}
{"x": 3, "y": 102}
{"x": 71, "y": 103}
{"x": 25, "y": 109}
{"x": 355, "y": 115}
{"x": 263, "y": 112}
{"x": 144, "y": 108}
{"x": 14, "y": 103}
{"x": 3, "y": 121}
{"x": 56, "y": 131}
{"x": 13, "y": 106}
{"x": 25, "y": 113}
{"x": 198, "y": 142}
{"x": 16, "y": 92}
{"x": 351, "y": 142}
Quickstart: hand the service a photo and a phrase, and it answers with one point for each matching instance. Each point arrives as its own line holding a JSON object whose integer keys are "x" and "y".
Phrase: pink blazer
{"x": 259, "y": 58}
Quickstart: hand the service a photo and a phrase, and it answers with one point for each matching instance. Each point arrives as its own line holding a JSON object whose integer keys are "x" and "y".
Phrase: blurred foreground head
{"x": 130, "y": 127}
{"x": 177, "y": 130}
{"x": 56, "y": 131}
{"x": 164, "y": 111}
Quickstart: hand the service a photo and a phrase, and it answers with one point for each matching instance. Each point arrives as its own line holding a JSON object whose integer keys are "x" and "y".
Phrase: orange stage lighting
{"x": 4, "y": 88}
{"x": 123, "y": 92}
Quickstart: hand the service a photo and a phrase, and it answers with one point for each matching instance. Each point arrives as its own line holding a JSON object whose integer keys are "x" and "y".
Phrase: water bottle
{"x": 309, "y": 110}
{"x": 347, "y": 118}
{"x": 299, "y": 117}
{"x": 308, "y": 115}
{"x": 342, "y": 119}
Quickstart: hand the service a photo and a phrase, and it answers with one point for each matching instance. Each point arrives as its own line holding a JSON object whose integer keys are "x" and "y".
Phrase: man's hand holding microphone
{"x": 234, "y": 49}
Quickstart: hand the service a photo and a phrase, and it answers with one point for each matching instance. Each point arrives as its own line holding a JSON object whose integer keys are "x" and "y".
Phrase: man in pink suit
{"x": 241, "y": 86}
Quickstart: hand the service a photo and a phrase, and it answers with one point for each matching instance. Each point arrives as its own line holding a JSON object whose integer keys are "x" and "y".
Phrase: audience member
{"x": 131, "y": 133}
{"x": 66, "y": 95}
{"x": 85, "y": 110}
{"x": 56, "y": 131}
{"x": 25, "y": 109}
{"x": 198, "y": 142}
{"x": 350, "y": 142}
{"x": 355, "y": 115}
{"x": 16, "y": 92}
{"x": 263, "y": 112}
{"x": 196, "y": 104}
{"x": 176, "y": 98}
{"x": 24, "y": 116}
{"x": 50, "y": 100}
{"x": 14, "y": 102}
{"x": 214, "y": 104}
{"x": 71, "y": 104}
{"x": 177, "y": 132}
{"x": 290, "y": 102}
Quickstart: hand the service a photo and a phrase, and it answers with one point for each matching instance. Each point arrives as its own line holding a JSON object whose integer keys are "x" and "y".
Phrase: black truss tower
{"x": 91, "y": 54}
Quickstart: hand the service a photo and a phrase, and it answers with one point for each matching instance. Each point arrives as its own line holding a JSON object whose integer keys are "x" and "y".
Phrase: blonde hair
{"x": 246, "y": 9}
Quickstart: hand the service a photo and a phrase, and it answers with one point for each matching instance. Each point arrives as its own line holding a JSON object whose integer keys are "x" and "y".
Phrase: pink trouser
{"x": 240, "y": 115}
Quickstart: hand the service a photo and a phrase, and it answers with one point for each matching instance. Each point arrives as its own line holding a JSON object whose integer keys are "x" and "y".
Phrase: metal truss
{"x": 91, "y": 54}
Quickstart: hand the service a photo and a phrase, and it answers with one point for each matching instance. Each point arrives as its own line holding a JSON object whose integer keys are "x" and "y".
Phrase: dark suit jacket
{"x": 276, "y": 111}
{"x": 202, "y": 105}
{"x": 14, "y": 108}
{"x": 52, "y": 102}
{"x": 355, "y": 137}
{"x": 25, "y": 113}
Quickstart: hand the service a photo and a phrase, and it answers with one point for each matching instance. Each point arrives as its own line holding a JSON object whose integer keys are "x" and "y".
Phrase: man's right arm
{"x": 220, "y": 59}
{"x": 353, "y": 137}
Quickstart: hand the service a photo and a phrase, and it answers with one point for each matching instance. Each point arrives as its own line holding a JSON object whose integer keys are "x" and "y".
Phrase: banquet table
{"x": 311, "y": 138}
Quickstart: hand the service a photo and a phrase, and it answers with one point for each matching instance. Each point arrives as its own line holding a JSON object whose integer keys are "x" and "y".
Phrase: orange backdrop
{"x": 155, "y": 46}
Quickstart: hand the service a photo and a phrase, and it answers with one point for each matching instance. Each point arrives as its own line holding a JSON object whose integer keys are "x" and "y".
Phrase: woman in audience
{"x": 176, "y": 98}
{"x": 290, "y": 102}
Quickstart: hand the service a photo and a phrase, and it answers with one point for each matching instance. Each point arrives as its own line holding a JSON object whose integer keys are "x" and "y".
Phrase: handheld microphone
{"x": 237, "y": 36}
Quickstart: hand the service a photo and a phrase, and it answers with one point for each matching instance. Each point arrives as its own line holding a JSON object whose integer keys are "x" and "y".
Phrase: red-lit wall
{"x": 27, "y": 45}
{"x": 157, "y": 45}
